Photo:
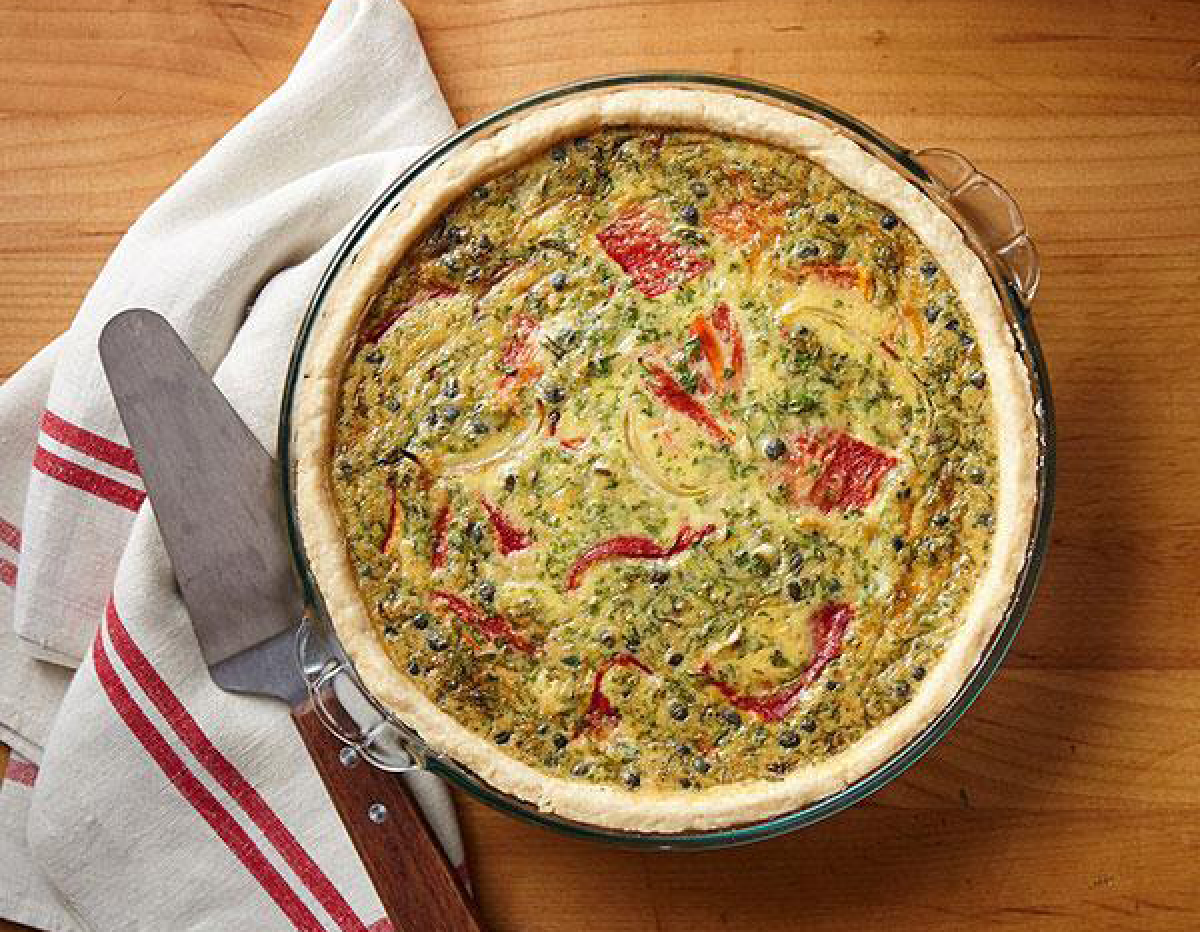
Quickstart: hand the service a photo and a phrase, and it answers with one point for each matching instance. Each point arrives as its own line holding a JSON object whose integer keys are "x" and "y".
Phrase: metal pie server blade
{"x": 216, "y": 497}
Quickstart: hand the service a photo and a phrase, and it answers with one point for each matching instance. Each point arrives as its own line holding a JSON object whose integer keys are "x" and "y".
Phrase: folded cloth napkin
{"x": 161, "y": 802}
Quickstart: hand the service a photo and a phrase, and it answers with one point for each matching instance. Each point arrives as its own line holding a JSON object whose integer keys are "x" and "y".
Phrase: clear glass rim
{"x": 1016, "y": 310}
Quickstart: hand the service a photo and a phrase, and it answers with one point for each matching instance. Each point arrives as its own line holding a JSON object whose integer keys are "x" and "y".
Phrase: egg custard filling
{"x": 664, "y": 462}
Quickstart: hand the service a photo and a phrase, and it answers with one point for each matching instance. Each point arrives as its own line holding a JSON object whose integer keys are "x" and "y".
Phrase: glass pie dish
{"x": 993, "y": 228}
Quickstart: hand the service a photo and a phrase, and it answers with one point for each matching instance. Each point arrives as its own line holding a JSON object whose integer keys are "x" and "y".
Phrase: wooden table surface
{"x": 1069, "y": 796}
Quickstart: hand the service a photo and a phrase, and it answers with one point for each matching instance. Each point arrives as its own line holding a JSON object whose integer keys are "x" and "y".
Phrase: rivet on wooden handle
{"x": 412, "y": 877}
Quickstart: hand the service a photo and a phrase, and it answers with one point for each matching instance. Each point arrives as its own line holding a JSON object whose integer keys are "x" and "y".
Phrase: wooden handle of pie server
{"x": 414, "y": 881}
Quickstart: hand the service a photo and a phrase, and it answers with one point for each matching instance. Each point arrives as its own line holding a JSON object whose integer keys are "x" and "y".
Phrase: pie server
{"x": 215, "y": 494}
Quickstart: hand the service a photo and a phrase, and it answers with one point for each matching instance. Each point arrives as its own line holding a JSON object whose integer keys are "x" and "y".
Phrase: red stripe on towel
{"x": 83, "y": 440}
{"x": 228, "y": 776}
{"x": 200, "y": 798}
{"x": 20, "y": 771}
{"x": 8, "y": 572}
{"x": 86, "y": 480}
{"x": 10, "y": 534}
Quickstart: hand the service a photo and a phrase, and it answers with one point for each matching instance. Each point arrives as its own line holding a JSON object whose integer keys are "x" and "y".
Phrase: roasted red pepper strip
{"x": 702, "y": 330}
{"x": 851, "y": 471}
{"x": 671, "y": 393}
{"x": 744, "y": 220}
{"x": 839, "y": 274}
{"x": 441, "y": 525}
{"x": 722, "y": 319}
{"x": 634, "y": 547}
{"x": 599, "y": 708}
{"x": 509, "y": 538}
{"x": 380, "y": 328}
{"x": 637, "y": 241}
{"x": 829, "y": 624}
{"x": 491, "y": 626}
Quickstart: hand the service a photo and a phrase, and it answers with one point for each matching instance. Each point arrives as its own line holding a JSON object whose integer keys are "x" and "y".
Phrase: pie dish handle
{"x": 416, "y": 884}
{"x": 346, "y": 710}
{"x": 991, "y": 212}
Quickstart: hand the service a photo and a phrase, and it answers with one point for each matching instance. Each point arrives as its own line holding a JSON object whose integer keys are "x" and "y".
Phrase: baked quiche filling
{"x": 666, "y": 461}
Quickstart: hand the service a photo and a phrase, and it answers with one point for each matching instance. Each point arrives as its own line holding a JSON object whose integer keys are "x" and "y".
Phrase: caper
{"x": 437, "y": 643}
{"x": 774, "y": 448}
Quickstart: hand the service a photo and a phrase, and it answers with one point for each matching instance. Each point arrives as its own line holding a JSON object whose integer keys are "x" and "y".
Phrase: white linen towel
{"x": 161, "y": 802}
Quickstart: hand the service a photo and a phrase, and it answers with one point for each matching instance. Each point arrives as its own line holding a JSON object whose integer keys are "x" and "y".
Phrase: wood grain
{"x": 1069, "y": 796}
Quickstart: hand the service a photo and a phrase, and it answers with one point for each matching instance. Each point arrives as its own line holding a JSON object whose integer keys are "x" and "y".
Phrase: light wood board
{"x": 1069, "y": 796}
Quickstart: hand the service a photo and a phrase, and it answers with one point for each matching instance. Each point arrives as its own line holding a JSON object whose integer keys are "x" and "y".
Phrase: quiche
{"x": 665, "y": 460}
